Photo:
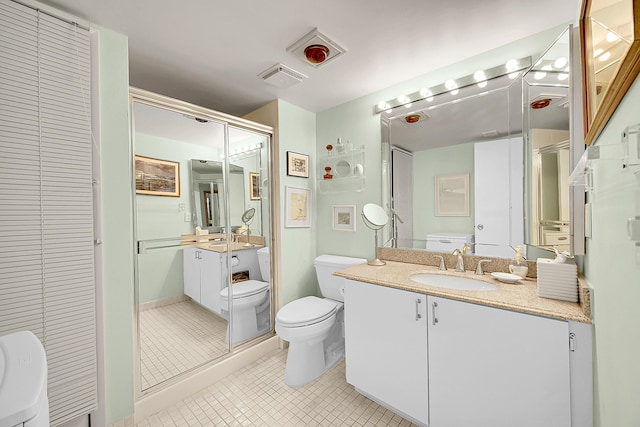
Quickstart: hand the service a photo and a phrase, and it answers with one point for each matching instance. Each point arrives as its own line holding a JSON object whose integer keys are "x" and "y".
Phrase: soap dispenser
{"x": 518, "y": 264}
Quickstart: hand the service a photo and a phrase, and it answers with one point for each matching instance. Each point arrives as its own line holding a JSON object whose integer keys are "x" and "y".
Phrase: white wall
{"x": 612, "y": 268}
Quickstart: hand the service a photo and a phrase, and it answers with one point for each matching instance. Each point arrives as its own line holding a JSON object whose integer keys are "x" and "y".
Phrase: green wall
{"x": 117, "y": 224}
{"x": 612, "y": 267}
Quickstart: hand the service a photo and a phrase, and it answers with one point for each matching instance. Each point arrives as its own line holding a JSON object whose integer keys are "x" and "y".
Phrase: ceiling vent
{"x": 316, "y": 49}
{"x": 281, "y": 76}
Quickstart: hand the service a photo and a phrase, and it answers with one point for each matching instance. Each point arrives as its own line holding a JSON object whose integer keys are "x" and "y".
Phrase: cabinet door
{"x": 191, "y": 273}
{"x": 212, "y": 279}
{"x": 496, "y": 368}
{"x": 386, "y": 346}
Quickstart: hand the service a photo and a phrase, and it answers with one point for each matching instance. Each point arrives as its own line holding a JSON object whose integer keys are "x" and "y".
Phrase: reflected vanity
{"x": 197, "y": 267}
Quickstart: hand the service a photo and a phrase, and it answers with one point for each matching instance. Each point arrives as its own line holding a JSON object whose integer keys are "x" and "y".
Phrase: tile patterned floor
{"x": 178, "y": 337}
{"x": 257, "y": 396}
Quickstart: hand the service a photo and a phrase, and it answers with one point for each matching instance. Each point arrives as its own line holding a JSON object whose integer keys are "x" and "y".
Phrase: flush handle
{"x": 418, "y": 315}
{"x": 480, "y": 226}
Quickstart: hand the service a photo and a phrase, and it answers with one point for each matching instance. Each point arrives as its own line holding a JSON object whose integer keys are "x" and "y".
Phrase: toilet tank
{"x": 265, "y": 263}
{"x": 448, "y": 242}
{"x": 332, "y": 286}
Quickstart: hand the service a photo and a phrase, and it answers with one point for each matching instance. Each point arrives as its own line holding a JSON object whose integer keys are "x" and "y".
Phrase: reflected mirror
{"x": 191, "y": 248}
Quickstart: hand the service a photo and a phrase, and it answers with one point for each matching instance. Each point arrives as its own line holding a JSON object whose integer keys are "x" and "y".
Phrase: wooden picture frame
{"x": 452, "y": 195}
{"x": 297, "y": 207}
{"x": 157, "y": 177}
{"x": 297, "y": 164}
{"x": 601, "y": 96}
{"x": 254, "y": 186}
{"x": 344, "y": 217}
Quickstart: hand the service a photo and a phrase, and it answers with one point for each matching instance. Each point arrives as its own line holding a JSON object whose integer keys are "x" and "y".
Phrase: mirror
{"x": 192, "y": 247}
{"x": 609, "y": 58}
{"x": 375, "y": 218}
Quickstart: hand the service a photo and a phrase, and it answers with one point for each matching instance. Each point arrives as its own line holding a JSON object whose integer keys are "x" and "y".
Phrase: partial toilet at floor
{"x": 250, "y": 312}
{"x": 314, "y": 326}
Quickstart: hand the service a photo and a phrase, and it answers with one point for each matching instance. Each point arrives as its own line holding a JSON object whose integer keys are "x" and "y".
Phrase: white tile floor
{"x": 177, "y": 337}
{"x": 257, "y": 396}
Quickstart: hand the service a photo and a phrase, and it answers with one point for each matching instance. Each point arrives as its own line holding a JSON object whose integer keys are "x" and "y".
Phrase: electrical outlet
{"x": 187, "y": 217}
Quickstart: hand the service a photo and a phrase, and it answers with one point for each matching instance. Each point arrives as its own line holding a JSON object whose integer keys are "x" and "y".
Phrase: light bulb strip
{"x": 461, "y": 82}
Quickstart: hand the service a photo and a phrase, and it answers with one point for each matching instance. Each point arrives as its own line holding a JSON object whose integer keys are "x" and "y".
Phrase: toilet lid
{"x": 245, "y": 289}
{"x": 305, "y": 311}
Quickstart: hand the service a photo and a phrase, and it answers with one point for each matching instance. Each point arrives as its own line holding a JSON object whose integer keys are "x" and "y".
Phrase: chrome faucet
{"x": 460, "y": 262}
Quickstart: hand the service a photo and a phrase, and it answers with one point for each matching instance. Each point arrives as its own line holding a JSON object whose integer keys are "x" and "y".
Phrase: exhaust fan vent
{"x": 281, "y": 76}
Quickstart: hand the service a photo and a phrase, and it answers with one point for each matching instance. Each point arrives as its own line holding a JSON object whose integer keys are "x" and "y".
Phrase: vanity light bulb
{"x": 479, "y": 76}
{"x": 539, "y": 75}
{"x": 450, "y": 84}
{"x": 611, "y": 37}
{"x": 430, "y": 98}
{"x": 482, "y": 84}
{"x": 382, "y": 105}
{"x": 402, "y": 99}
{"x": 597, "y": 52}
{"x": 604, "y": 56}
{"x": 455, "y": 92}
{"x": 408, "y": 105}
{"x": 513, "y": 75}
{"x": 563, "y": 76}
{"x": 547, "y": 68}
{"x": 511, "y": 64}
{"x": 425, "y": 92}
{"x": 560, "y": 62}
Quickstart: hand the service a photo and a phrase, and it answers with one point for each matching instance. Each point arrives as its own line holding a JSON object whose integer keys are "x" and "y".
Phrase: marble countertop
{"x": 521, "y": 297}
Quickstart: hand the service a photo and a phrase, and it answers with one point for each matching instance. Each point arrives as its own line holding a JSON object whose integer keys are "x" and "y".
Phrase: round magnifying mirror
{"x": 375, "y": 215}
{"x": 343, "y": 168}
{"x": 247, "y": 216}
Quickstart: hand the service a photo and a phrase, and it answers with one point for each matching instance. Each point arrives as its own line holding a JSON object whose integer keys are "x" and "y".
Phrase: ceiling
{"x": 210, "y": 52}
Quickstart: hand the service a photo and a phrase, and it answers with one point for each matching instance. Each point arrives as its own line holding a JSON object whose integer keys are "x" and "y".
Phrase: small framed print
{"x": 344, "y": 217}
{"x": 297, "y": 164}
{"x": 254, "y": 186}
{"x": 157, "y": 177}
{"x": 298, "y": 207}
{"x": 452, "y": 195}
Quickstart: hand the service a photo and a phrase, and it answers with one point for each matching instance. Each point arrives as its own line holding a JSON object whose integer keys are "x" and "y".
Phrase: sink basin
{"x": 453, "y": 282}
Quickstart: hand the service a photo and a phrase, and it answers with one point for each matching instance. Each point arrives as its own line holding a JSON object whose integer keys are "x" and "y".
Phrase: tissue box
{"x": 557, "y": 281}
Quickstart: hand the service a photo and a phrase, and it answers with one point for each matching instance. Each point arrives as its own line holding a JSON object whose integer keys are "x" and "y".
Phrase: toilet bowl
{"x": 250, "y": 299}
{"x": 313, "y": 326}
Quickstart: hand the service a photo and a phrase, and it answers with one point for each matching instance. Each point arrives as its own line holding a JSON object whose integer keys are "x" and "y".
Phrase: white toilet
{"x": 250, "y": 310}
{"x": 314, "y": 326}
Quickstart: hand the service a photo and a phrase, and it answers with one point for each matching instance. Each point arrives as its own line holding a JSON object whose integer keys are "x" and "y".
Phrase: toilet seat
{"x": 245, "y": 289}
{"x": 306, "y": 311}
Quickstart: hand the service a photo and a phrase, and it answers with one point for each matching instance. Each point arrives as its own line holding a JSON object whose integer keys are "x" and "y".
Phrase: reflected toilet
{"x": 251, "y": 301}
{"x": 314, "y": 326}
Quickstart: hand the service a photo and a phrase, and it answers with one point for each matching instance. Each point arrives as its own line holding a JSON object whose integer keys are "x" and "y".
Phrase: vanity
{"x": 450, "y": 357}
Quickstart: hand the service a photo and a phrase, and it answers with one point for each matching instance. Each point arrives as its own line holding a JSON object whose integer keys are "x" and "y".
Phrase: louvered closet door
{"x": 46, "y": 215}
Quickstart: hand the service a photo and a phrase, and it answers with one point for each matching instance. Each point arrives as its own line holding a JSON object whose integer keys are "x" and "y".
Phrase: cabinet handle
{"x": 418, "y": 315}
{"x": 434, "y": 317}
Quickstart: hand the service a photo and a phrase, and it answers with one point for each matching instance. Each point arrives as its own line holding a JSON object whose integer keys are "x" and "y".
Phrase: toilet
{"x": 250, "y": 298}
{"x": 314, "y": 326}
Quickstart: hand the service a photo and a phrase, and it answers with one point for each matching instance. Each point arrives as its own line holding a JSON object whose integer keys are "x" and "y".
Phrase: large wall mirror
{"x": 202, "y": 230}
{"x": 469, "y": 134}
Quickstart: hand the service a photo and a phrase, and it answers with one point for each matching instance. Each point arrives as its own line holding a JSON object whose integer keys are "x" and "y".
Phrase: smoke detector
{"x": 316, "y": 49}
{"x": 281, "y": 76}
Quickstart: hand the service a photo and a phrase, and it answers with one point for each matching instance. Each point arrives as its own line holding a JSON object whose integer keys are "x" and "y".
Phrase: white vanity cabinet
{"x": 205, "y": 273}
{"x": 446, "y": 363}
{"x": 490, "y": 367}
{"x": 386, "y": 347}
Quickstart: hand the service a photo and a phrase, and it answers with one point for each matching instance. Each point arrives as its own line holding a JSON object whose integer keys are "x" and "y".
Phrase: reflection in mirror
{"x": 189, "y": 250}
{"x": 473, "y": 134}
{"x": 610, "y": 35}
{"x": 547, "y": 148}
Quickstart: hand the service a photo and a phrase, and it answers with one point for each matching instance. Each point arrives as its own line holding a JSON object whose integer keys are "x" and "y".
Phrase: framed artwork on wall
{"x": 452, "y": 195}
{"x": 344, "y": 217}
{"x": 297, "y": 164}
{"x": 254, "y": 186}
{"x": 297, "y": 207}
{"x": 157, "y": 177}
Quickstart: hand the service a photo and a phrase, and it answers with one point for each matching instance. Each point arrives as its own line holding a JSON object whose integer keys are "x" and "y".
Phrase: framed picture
{"x": 344, "y": 217}
{"x": 297, "y": 207}
{"x": 157, "y": 177}
{"x": 297, "y": 164}
{"x": 254, "y": 186}
{"x": 452, "y": 195}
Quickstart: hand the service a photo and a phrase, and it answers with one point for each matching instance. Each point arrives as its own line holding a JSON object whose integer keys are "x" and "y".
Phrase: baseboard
{"x": 162, "y": 302}
{"x": 192, "y": 383}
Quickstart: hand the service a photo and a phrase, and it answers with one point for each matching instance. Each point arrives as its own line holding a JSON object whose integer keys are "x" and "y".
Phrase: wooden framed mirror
{"x": 610, "y": 32}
